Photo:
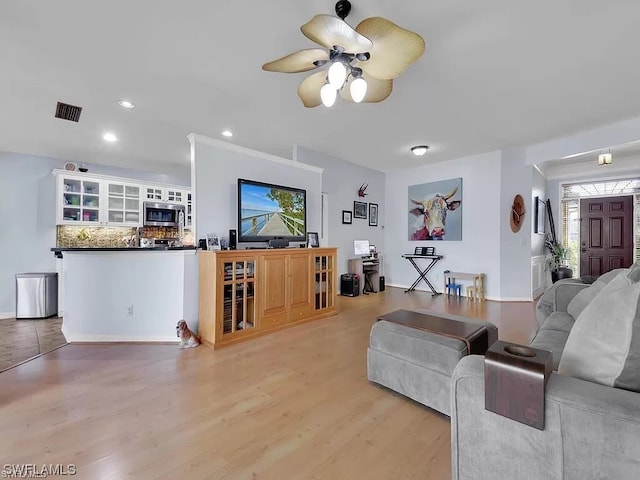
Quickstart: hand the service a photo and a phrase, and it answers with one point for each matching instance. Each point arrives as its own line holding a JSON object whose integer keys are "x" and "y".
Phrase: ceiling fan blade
{"x": 327, "y": 30}
{"x": 377, "y": 90}
{"x": 300, "y": 61}
{"x": 394, "y": 48}
{"x": 309, "y": 89}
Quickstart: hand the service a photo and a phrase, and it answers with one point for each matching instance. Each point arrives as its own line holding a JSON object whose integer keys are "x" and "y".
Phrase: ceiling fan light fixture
{"x": 419, "y": 150}
{"x": 605, "y": 159}
{"x": 328, "y": 95}
{"x": 337, "y": 75}
{"x": 358, "y": 89}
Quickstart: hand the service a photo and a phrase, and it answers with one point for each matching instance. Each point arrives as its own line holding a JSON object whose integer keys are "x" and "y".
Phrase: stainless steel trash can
{"x": 36, "y": 295}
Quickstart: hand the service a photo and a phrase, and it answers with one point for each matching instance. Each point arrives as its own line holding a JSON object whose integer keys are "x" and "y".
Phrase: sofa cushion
{"x": 561, "y": 321}
{"x": 584, "y": 297}
{"x": 547, "y": 303}
{"x": 553, "y": 341}
{"x": 604, "y": 344}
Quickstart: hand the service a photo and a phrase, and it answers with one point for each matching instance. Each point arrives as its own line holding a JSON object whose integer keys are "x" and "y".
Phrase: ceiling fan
{"x": 362, "y": 62}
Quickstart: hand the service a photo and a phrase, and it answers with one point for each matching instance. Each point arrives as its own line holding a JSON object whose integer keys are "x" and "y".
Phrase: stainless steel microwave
{"x": 162, "y": 214}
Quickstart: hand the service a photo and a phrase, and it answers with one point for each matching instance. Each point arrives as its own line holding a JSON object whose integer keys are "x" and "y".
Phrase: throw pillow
{"x": 585, "y": 296}
{"x": 604, "y": 344}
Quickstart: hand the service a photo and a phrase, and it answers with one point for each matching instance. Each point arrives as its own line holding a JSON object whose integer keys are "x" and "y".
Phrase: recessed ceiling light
{"x": 126, "y": 104}
{"x": 227, "y": 133}
{"x": 419, "y": 150}
{"x": 110, "y": 137}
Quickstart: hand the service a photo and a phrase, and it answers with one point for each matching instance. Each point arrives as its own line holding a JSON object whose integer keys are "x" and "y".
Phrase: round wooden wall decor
{"x": 516, "y": 216}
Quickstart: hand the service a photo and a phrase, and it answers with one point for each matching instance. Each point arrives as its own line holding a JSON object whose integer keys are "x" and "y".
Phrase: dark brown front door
{"x": 606, "y": 234}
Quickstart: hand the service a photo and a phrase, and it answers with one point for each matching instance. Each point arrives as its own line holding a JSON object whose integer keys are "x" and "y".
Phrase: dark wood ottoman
{"x": 414, "y": 353}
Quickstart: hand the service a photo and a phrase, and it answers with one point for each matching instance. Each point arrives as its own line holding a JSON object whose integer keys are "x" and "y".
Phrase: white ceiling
{"x": 495, "y": 73}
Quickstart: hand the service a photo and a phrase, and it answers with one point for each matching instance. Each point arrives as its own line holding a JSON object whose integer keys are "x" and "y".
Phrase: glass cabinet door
{"x": 123, "y": 204}
{"x": 153, "y": 193}
{"x": 324, "y": 281}
{"x": 81, "y": 200}
{"x": 239, "y": 296}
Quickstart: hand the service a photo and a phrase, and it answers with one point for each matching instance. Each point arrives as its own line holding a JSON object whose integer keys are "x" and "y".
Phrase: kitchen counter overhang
{"x": 58, "y": 251}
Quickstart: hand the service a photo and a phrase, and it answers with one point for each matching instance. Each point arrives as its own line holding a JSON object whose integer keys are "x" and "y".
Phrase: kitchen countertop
{"x": 59, "y": 250}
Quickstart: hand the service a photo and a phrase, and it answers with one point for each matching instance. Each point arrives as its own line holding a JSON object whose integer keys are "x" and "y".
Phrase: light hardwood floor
{"x": 292, "y": 405}
{"x": 21, "y": 340}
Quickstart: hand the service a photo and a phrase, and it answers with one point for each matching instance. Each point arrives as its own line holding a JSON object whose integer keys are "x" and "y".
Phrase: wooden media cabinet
{"x": 247, "y": 293}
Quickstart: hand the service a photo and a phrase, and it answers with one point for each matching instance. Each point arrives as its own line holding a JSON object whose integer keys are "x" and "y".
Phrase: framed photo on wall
{"x": 373, "y": 214}
{"x": 541, "y": 207}
{"x": 346, "y": 216}
{"x": 359, "y": 210}
{"x": 313, "y": 240}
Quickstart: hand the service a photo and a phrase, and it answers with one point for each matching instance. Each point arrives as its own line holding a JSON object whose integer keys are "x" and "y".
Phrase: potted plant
{"x": 557, "y": 261}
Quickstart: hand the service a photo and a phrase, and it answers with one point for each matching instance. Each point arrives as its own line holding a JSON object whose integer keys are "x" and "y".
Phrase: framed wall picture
{"x": 346, "y": 216}
{"x": 313, "y": 240}
{"x": 540, "y": 217}
{"x": 435, "y": 210}
{"x": 373, "y": 214}
{"x": 359, "y": 210}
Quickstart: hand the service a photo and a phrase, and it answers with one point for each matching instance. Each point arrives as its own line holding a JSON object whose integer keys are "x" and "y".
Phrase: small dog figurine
{"x": 188, "y": 339}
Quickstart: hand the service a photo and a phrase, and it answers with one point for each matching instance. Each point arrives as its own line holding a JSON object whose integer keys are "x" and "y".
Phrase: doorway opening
{"x": 572, "y": 193}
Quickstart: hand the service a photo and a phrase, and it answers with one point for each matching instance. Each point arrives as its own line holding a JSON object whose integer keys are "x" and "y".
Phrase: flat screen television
{"x": 267, "y": 212}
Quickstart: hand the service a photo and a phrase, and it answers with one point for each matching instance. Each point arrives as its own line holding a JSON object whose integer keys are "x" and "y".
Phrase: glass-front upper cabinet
{"x": 123, "y": 204}
{"x": 79, "y": 201}
{"x": 238, "y": 285}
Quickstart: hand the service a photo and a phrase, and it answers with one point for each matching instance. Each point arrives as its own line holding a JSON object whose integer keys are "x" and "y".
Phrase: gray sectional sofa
{"x": 591, "y": 431}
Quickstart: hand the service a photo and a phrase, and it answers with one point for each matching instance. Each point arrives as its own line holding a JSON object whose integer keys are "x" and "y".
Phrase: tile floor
{"x": 24, "y": 339}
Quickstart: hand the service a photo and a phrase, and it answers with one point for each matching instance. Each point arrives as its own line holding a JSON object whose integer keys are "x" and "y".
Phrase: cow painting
{"x": 428, "y": 210}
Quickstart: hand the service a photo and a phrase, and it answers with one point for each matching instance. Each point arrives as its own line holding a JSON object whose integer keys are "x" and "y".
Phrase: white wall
{"x": 28, "y": 216}
{"x": 515, "y": 248}
{"x": 479, "y": 250}
{"x": 340, "y": 182}
{"x": 27, "y": 221}
{"x": 216, "y": 167}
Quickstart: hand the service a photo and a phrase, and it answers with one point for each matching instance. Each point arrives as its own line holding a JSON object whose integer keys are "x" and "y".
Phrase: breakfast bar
{"x": 127, "y": 294}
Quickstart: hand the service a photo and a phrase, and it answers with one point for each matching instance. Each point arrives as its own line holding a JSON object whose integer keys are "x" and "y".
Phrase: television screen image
{"x": 267, "y": 211}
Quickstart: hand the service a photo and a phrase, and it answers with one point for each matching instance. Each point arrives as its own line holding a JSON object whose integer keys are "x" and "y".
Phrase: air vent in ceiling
{"x": 68, "y": 112}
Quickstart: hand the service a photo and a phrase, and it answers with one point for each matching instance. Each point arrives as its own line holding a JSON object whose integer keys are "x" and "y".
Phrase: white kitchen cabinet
{"x": 189, "y": 216}
{"x": 79, "y": 200}
{"x": 123, "y": 204}
{"x": 99, "y": 200}
{"x": 165, "y": 194}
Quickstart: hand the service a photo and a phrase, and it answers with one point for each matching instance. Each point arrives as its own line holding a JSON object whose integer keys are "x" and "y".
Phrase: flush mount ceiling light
{"x": 363, "y": 62}
{"x": 605, "y": 158}
{"x": 227, "y": 133}
{"x": 419, "y": 150}
{"x": 110, "y": 137}
{"x": 126, "y": 104}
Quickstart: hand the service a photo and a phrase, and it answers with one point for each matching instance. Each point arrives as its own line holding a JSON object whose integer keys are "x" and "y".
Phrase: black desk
{"x": 423, "y": 272}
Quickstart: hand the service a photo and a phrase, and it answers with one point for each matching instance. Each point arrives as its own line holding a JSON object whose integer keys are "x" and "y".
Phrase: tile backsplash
{"x": 69, "y": 236}
{"x": 104, "y": 237}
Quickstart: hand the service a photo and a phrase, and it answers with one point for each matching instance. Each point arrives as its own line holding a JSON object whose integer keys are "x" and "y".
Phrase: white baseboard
{"x": 495, "y": 299}
{"x": 7, "y": 315}
{"x": 511, "y": 299}
{"x": 120, "y": 338}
